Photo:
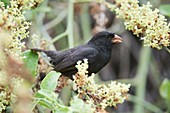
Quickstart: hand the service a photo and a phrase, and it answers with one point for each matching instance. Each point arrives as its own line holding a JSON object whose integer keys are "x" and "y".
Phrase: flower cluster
{"x": 13, "y": 29}
{"x": 3, "y": 101}
{"x": 28, "y": 4}
{"x": 100, "y": 95}
{"x": 145, "y": 22}
{"x": 13, "y": 23}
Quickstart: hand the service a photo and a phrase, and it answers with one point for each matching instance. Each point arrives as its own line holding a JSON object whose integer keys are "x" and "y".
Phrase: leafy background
{"x": 143, "y": 67}
{"x": 148, "y": 70}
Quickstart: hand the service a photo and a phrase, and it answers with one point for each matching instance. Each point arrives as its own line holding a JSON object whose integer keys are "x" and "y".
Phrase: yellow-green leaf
{"x": 165, "y": 9}
{"x": 50, "y": 81}
{"x": 30, "y": 60}
{"x": 165, "y": 89}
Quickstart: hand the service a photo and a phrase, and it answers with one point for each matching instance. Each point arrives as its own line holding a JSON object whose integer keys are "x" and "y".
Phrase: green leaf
{"x": 165, "y": 89}
{"x": 50, "y": 81}
{"x": 79, "y": 106}
{"x": 47, "y": 98}
{"x": 46, "y": 103}
{"x": 48, "y": 94}
{"x": 8, "y": 109}
{"x": 6, "y": 2}
{"x": 77, "y": 103}
{"x": 165, "y": 9}
{"x": 63, "y": 110}
{"x": 31, "y": 61}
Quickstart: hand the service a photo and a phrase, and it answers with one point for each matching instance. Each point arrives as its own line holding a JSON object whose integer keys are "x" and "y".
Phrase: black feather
{"x": 97, "y": 51}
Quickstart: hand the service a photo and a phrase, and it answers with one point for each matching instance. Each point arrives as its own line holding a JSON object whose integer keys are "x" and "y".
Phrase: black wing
{"x": 55, "y": 56}
{"x": 69, "y": 62}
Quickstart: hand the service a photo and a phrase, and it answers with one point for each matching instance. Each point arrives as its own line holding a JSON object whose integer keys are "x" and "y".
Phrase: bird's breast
{"x": 100, "y": 62}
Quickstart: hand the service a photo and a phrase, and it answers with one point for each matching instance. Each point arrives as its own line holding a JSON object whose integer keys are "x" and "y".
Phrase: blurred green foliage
{"x": 165, "y": 89}
{"x": 50, "y": 81}
{"x": 6, "y": 2}
{"x": 46, "y": 97}
{"x": 30, "y": 60}
{"x": 50, "y": 22}
{"x": 165, "y": 9}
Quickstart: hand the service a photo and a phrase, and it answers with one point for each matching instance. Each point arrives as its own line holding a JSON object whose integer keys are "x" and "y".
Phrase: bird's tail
{"x": 37, "y": 50}
{"x": 44, "y": 51}
{"x": 49, "y": 53}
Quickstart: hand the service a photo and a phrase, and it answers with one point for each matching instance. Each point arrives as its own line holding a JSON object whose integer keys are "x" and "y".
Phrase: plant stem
{"x": 141, "y": 77}
{"x": 167, "y": 49}
{"x": 39, "y": 19}
{"x": 59, "y": 37}
{"x": 57, "y": 20}
{"x": 70, "y": 21}
{"x": 85, "y": 23}
{"x": 69, "y": 30}
{"x": 145, "y": 104}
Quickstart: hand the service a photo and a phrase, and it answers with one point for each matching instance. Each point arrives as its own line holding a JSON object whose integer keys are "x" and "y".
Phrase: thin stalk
{"x": 141, "y": 77}
{"x": 57, "y": 20}
{"x": 85, "y": 23}
{"x": 59, "y": 37}
{"x": 39, "y": 19}
{"x": 69, "y": 30}
{"x": 70, "y": 21}
{"x": 167, "y": 49}
{"x": 155, "y": 73}
{"x": 45, "y": 34}
{"x": 144, "y": 104}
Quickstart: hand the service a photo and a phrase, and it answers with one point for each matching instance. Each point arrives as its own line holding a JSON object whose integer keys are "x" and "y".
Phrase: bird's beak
{"x": 117, "y": 39}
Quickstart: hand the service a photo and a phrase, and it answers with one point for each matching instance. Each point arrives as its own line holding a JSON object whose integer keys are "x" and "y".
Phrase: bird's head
{"x": 105, "y": 37}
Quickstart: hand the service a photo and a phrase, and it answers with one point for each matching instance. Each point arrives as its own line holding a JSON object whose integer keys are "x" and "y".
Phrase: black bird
{"x": 97, "y": 51}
